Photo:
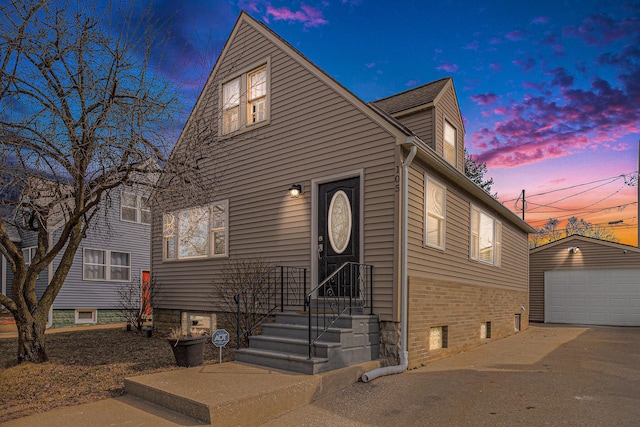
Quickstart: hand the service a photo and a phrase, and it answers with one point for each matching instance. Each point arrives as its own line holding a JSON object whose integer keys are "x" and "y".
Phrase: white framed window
{"x": 245, "y": 100}
{"x": 86, "y": 316}
{"x": 101, "y": 265}
{"x": 134, "y": 208}
{"x": 231, "y": 106}
{"x": 199, "y": 232}
{"x": 28, "y": 254}
{"x": 450, "y": 138}
{"x": 257, "y": 96}
{"x": 435, "y": 210}
{"x": 486, "y": 238}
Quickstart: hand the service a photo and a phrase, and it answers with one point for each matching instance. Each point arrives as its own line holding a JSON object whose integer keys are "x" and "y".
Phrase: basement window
{"x": 485, "y": 330}
{"x": 516, "y": 323}
{"x": 438, "y": 337}
{"x": 196, "y": 324}
{"x": 86, "y": 316}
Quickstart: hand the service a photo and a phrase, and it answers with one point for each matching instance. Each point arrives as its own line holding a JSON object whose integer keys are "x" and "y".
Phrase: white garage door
{"x": 592, "y": 297}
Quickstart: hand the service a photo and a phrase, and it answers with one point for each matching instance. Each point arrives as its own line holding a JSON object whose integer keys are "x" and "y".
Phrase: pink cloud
{"x": 307, "y": 15}
{"x": 495, "y": 66}
{"x": 527, "y": 63}
{"x": 514, "y": 36}
{"x": 540, "y": 20}
{"x": 450, "y": 68}
{"x": 412, "y": 82}
{"x": 484, "y": 98}
{"x": 370, "y": 64}
{"x": 474, "y": 45}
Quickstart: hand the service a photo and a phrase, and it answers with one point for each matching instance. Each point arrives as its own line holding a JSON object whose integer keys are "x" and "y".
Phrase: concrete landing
{"x": 238, "y": 394}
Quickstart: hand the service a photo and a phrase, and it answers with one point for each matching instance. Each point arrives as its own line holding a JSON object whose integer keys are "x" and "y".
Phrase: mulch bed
{"x": 83, "y": 366}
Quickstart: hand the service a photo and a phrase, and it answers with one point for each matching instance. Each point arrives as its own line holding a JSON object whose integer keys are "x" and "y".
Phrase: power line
{"x": 632, "y": 182}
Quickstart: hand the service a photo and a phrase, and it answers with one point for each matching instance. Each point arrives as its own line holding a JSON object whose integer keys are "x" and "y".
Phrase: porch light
{"x": 574, "y": 249}
{"x": 295, "y": 190}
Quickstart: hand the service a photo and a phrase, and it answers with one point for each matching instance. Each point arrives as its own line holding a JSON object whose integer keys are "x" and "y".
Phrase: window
{"x": 197, "y": 232}
{"x": 28, "y": 254}
{"x": 89, "y": 315}
{"x": 230, "y": 106}
{"x": 450, "y": 137}
{"x": 134, "y": 208}
{"x": 485, "y": 330}
{"x": 435, "y": 195}
{"x": 257, "y": 99}
{"x": 438, "y": 337}
{"x": 245, "y": 100}
{"x": 106, "y": 265}
{"x": 486, "y": 238}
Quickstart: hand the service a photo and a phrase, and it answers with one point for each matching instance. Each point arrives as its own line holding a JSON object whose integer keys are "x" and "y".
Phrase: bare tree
{"x": 81, "y": 113}
{"x": 475, "y": 170}
{"x": 550, "y": 232}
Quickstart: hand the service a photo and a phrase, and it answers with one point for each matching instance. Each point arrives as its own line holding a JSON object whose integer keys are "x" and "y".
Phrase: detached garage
{"x": 583, "y": 280}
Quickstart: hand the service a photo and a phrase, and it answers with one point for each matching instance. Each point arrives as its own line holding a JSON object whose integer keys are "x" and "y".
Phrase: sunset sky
{"x": 549, "y": 90}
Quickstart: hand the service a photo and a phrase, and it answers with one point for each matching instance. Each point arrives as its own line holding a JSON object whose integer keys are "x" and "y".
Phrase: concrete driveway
{"x": 547, "y": 375}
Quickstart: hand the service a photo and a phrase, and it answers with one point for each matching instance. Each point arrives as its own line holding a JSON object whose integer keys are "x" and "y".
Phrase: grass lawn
{"x": 83, "y": 366}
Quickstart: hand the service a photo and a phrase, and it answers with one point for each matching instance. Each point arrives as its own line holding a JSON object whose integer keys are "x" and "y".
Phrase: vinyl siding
{"x": 107, "y": 232}
{"x": 422, "y": 124}
{"x": 593, "y": 255}
{"x": 447, "y": 108}
{"x": 453, "y": 263}
{"x": 313, "y": 132}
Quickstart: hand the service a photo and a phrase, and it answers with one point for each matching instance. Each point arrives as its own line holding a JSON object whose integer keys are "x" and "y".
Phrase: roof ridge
{"x": 412, "y": 89}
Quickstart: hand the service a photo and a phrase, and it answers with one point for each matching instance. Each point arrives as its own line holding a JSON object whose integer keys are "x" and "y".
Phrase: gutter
{"x": 404, "y": 353}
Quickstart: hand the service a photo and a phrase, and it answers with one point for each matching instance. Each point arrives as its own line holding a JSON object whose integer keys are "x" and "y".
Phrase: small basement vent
{"x": 438, "y": 337}
{"x": 198, "y": 323}
{"x": 485, "y": 330}
{"x": 516, "y": 323}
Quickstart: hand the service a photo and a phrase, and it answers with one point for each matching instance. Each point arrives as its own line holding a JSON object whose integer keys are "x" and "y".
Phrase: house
{"x": 114, "y": 254}
{"x": 380, "y": 185}
{"x": 584, "y": 280}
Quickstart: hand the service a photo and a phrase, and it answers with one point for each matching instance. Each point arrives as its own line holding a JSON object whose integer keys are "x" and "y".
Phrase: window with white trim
{"x": 196, "y": 232}
{"x": 435, "y": 209}
{"x": 245, "y": 100}
{"x": 28, "y": 255}
{"x": 486, "y": 238}
{"x": 134, "y": 208}
{"x": 100, "y": 265}
{"x": 450, "y": 138}
{"x": 86, "y": 315}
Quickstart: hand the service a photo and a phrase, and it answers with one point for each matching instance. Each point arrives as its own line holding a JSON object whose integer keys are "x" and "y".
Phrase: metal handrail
{"x": 277, "y": 288}
{"x": 343, "y": 290}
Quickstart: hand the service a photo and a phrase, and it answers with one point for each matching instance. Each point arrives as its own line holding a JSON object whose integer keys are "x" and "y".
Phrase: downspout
{"x": 404, "y": 294}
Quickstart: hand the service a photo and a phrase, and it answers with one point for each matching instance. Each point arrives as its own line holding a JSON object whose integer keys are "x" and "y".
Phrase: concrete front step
{"x": 281, "y": 360}
{"x": 292, "y": 345}
{"x": 233, "y": 393}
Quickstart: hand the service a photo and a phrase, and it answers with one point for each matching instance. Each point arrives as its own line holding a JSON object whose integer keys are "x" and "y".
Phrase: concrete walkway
{"x": 237, "y": 394}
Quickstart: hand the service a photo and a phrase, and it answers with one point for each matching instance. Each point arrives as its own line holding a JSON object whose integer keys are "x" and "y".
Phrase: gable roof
{"x": 416, "y": 97}
{"x": 421, "y": 96}
{"x": 577, "y": 237}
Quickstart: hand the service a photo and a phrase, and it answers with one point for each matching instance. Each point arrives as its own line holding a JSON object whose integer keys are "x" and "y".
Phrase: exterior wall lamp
{"x": 573, "y": 249}
{"x": 295, "y": 190}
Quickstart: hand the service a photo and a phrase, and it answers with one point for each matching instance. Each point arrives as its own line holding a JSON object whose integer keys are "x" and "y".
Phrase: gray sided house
{"x": 386, "y": 216}
{"x": 113, "y": 254}
{"x": 583, "y": 280}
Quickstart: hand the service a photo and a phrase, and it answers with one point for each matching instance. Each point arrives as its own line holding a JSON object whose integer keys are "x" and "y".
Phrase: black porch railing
{"x": 348, "y": 288}
{"x": 274, "y": 290}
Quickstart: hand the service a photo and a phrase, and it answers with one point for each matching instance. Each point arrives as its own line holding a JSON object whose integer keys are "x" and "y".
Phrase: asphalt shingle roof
{"x": 411, "y": 98}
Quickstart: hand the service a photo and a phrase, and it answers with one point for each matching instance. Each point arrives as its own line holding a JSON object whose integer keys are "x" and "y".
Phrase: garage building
{"x": 582, "y": 280}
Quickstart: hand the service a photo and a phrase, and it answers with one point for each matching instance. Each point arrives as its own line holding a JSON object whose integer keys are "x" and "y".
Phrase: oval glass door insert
{"x": 339, "y": 222}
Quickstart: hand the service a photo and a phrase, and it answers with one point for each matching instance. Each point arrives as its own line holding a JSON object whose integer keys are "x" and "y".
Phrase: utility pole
{"x": 524, "y": 203}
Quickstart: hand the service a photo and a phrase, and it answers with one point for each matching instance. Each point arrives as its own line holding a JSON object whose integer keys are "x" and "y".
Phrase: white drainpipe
{"x": 404, "y": 353}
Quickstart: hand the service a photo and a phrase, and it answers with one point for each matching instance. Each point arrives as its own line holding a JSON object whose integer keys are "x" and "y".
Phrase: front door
{"x": 338, "y": 225}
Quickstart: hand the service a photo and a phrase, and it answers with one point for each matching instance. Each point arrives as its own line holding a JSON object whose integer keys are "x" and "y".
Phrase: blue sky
{"x": 549, "y": 90}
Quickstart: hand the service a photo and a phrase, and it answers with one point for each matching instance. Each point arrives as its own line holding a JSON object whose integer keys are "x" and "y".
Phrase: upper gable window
{"x": 435, "y": 195}
{"x": 134, "y": 208}
{"x": 245, "y": 100}
{"x": 231, "y": 106}
{"x": 486, "y": 238}
{"x": 450, "y": 138}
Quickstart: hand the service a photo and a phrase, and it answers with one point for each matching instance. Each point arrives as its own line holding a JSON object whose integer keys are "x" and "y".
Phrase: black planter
{"x": 188, "y": 351}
